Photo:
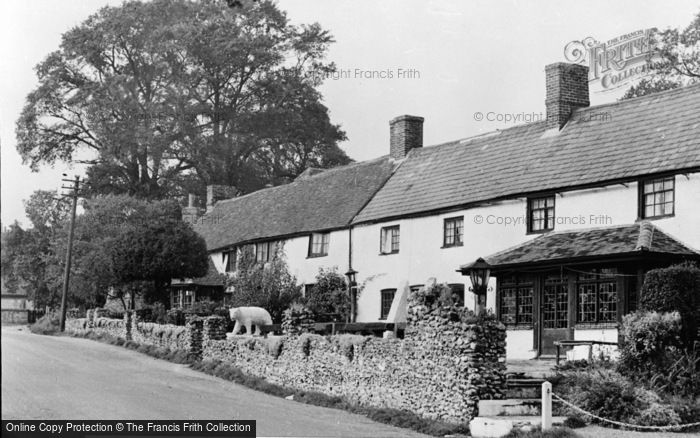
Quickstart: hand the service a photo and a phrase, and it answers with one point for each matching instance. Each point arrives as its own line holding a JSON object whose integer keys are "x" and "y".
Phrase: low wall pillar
{"x": 195, "y": 329}
{"x": 214, "y": 328}
{"x": 128, "y": 318}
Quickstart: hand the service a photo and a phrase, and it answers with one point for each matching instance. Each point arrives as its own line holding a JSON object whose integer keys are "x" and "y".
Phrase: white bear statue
{"x": 249, "y": 316}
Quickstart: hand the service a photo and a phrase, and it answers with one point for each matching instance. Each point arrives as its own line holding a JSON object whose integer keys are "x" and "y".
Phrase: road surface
{"x": 62, "y": 378}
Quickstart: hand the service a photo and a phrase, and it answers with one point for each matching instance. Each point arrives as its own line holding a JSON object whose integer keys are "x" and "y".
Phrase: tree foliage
{"x": 674, "y": 62}
{"x": 127, "y": 246}
{"x": 32, "y": 262}
{"x": 675, "y": 289}
{"x": 268, "y": 285}
{"x": 122, "y": 245}
{"x": 156, "y": 251}
{"x": 170, "y": 95}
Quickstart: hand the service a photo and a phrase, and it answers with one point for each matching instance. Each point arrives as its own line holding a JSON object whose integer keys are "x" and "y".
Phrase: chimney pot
{"x": 191, "y": 213}
{"x": 217, "y": 193}
{"x": 567, "y": 89}
{"x": 405, "y": 133}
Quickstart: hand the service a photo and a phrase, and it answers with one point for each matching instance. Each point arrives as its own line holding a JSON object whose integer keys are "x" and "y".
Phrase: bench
{"x": 576, "y": 343}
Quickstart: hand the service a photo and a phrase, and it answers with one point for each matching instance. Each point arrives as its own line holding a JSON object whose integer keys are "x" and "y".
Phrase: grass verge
{"x": 393, "y": 417}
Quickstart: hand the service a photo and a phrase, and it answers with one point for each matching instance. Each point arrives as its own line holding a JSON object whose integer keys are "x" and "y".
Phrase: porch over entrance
{"x": 576, "y": 285}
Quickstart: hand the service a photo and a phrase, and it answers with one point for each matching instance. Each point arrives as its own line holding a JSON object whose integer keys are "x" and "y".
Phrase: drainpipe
{"x": 352, "y": 288}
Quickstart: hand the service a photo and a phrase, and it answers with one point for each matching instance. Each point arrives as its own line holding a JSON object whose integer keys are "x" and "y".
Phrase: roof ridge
{"x": 326, "y": 171}
{"x": 646, "y": 236}
{"x": 663, "y": 93}
{"x": 582, "y": 230}
{"x": 576, "y": 110}
{"x": 329, "y": 170}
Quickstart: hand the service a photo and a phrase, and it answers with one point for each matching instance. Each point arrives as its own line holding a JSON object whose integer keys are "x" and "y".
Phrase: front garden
{"x": 656, "y": 381}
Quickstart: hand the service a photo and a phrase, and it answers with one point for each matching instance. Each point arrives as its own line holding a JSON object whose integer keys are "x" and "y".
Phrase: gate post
{"x": 546, "y": 406}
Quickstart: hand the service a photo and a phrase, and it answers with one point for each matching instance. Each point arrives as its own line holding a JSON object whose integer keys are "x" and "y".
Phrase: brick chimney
{"x": 406, "y": 133}
{"x": 567, "y": 89}
{"x": 191, "y": 213}
{"x": 216, "y": 193}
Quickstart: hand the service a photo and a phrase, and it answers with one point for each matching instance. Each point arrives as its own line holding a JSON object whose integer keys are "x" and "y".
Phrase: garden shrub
{"x": 574, "y": 422}
{"x": 648, "y": 339}
{"x": 329, "y": 299}
{"x": 269, "y": 285}
{"x": 175, "y": 317}
{"x": 202, "y": 308}
{"x": 537, "y": 432}
{"x": 688, "y": 409}
{"x": 608, "y": 394}
{"x": 48, "y": 324}
{"x": 439, "y": 299}
{"x": 297, "y": 319}
{"x": 682, "y": 376}
{"x": 675, "y": 289}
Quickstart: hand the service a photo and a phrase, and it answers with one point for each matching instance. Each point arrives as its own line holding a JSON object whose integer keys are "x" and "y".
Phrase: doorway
{"x": 554, "y": 312}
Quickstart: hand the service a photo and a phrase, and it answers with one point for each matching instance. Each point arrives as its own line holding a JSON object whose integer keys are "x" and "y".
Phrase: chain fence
{"x": 670, "y": 428}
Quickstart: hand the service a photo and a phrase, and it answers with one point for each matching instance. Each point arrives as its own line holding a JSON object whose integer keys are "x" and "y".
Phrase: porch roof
{"x": 211, "y": 278}
{"x": 627, "y": 241}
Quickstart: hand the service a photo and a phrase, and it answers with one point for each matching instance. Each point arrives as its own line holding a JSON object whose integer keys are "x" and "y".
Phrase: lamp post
{"x": 479, "y": 273}
{"x": 352, "y": 288}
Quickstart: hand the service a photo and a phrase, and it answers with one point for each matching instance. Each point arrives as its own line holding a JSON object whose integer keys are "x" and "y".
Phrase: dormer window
{"x": 540, "y": 214}
{"x": 657, "y": 198}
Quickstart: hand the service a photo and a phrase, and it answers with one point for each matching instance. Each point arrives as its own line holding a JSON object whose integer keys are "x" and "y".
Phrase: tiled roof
{"x": 325, "y": 201}
{"x": 638, "y": 238}
{"x": 646, "y": 135}
{"x": 212, "y": 278}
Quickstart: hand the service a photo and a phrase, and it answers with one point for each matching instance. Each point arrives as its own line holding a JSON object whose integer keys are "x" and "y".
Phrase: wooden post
{"x": 69, "y": 253}
{"x": 546, "y": 406}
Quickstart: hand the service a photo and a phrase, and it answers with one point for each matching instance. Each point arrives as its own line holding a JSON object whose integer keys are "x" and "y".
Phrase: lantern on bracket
{"x": 479, "y": 273}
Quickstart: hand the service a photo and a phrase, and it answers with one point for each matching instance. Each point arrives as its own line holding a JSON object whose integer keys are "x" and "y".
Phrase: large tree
{"x": 674, "y": 62}
{"x": 170, "y": 95}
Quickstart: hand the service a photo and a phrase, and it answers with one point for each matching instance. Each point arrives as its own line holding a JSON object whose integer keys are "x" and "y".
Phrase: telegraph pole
{"x": 69, "y": 251}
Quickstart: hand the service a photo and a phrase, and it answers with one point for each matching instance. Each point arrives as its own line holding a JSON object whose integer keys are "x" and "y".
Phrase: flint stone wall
{"x": 169, "y": 336}
{"x": 98, "y": 326}
{"x": 448, "y": 360}
{"x": 440, "y": 370}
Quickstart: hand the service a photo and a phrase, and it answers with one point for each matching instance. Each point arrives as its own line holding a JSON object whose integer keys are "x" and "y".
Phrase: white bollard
{"x": 546, "y": 406}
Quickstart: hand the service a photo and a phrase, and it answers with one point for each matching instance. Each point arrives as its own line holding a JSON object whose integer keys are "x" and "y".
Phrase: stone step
{"x": 523, "y": 388}
{"x": 497, "y": 427}
{"x": 510, "y": 407}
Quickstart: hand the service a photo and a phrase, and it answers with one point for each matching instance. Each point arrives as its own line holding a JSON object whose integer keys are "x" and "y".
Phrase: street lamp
{"x": 479, "y": 273}
{"x": 352, "y": 288}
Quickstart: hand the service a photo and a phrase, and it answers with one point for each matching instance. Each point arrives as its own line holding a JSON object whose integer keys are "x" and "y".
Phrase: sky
{"x": 443, "y": 60}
